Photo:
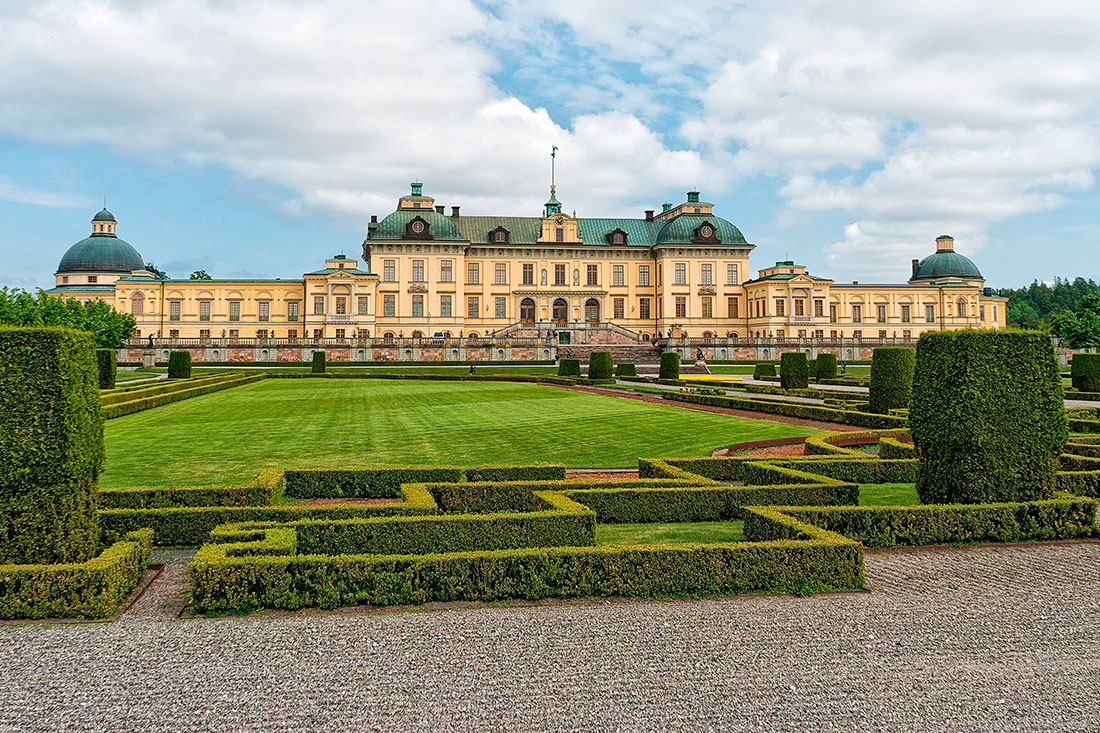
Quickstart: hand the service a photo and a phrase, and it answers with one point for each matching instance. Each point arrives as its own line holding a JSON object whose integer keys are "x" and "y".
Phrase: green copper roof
{"x": 330, "y": 270}
{"x": 682, "y": 229}
{"x": 85, "y": 288}
{"x": 946, "y": 263}
{"x": 104, "y": 216}
{"x": 442, "y": 228}
{"x": 788, "y": 276}
{"x": 101, "y": 253}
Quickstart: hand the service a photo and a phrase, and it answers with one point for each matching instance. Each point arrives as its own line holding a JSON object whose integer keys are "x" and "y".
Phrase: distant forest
{"x": 1037, "y": 304}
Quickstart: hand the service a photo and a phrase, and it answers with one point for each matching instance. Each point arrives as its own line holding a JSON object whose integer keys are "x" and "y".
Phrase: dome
{"x": 440, "y": 226}
{"x": 104, "y": 216}
{"x": 101, "y": 253}
{"x": 682, "y": 229}
{"x": 946, "y": 263}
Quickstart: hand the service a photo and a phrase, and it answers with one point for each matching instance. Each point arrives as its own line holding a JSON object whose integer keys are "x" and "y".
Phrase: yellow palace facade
{"x": 437, "y": 285}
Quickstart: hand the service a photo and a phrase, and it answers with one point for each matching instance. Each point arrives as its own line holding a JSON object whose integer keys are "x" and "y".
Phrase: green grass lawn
{"x": 678, "y": 533}
{"x": 888, "y": 494}
{"x": 334, "y": 367}
{"x": 133, "y": 374}
{"x": 229, "y": 436}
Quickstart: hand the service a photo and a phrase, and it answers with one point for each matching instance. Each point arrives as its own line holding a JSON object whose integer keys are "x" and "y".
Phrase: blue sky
{"x": 256, "y": 138}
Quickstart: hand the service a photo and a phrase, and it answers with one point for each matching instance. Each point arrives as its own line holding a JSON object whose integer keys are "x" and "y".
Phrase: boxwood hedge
{"x": 891, "y": 378}
{"x": 763, "y": 369}
{"x": 1085, "y": 372}
{"x": 625, "y": 369}
{"x": 600, "y": 365}
{"x": 179, "y": 365}
{"x": 670, "y": 365}
{"x": 826, "y": 366}
{"x": 317, "y": 366}
{"x": 569, "y": 367}
{"x": 794, "y": 371}
{"x": 107, "y": 367}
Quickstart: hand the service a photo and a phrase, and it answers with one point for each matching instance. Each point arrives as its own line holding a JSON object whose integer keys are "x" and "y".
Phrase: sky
{"x": 256, "y": 138}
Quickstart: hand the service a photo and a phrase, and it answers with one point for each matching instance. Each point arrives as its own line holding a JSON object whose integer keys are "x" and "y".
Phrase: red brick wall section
{"x": 338, "y": 353}
{"x": 239, "y": 354}
{"x": 434, "y": 353}
{"x": 523, "y": 353}
{"x": 478, "y": 354}
{"x": 288, "y": 355}
{"x": 384, "y": 353}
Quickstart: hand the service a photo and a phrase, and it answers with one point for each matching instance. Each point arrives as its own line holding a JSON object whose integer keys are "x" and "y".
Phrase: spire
{"x": 553, "y": 206}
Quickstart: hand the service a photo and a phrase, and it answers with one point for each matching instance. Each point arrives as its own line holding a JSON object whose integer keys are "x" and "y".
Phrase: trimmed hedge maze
{"x": 491, "y": 533}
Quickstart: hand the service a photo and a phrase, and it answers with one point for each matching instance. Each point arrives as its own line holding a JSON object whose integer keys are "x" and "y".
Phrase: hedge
{"x": 825, "y": 366}
{"x": 600, "y": 365}
{"x": 670, "y": 365}
{"x": 794, "y": 372}
{"x": 569, "y": 367}
{"x": 108, "y": 368}
{"x": 265, "y": 490}
{"x": 893, "y": 448}
{"x": 361, "y": 483}
{"x": 792, "y": 409}
{"x": 763, "y": 369}
{"x": 891, "y": 378}
{"x": 1085, "y": 372}
{"x": 51, "y": 445}
{"x": 95, "y": 588}
{"x": 531, "y": 472}
{"x": 1073, "y": 394}
{"x": 987, "y": 416}
{"x": 134, "y": 392}
{"x": 823, "y": 443}
{"x": 179, "y": 365}
{"x": 175, "y": 395}
{"x": 1080, "y": 483}
{"x": 625, "y": 369}
{"x": 318, "y": 364}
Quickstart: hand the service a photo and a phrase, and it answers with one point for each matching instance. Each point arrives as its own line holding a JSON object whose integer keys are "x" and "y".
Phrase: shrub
{"x": 891, "y": 378}
{"x": 51, "y": 445}
{"x": 794, "y": 372}
{"x": 569, "y": 368}
{"x": 179, "y": 365}
{"x": 600, "y": 365}
{"x": 811, "y": 367}
{"x": 670, "y": 365}
{"x": 793, "y": 409}
{"x": 987, "y": 416}
{"x": 168, "y": 393}
{"x": 361, "y": 483}
{"x": 318, "y": 365}
{"x": 1085, "y": 372}
{"x": 532, "y": 472}
{"x": 763, "y": 369}
{"x": 625, "y": 369}
{"x": 826, "y": 366}
{"x": 105, "y": 361}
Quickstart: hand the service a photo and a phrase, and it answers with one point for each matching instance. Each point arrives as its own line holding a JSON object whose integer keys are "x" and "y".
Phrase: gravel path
{"x": 953, "y": 639}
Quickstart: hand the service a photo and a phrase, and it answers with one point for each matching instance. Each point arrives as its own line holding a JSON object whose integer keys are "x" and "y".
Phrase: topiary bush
{"x": 318, "y": 366}
{"x": 811, "y": 365}
{"x": 569, "y": 368}
{"x": 625, "y": 369}
{"x": 794, "y": 372}
{"x": 891, "y": 378}
{"x": 51, "y": 445}
{"x": 1084, "y": 371}
{"x": 826, "y": 366}
{"x": 763, "y": 369}
{"x": 987, "y": 416}
{"x": 670, "y": 365}
{"x": 179, "y": 365}
{"x": 600, "y": 365}
{"x": 108, "y": 368}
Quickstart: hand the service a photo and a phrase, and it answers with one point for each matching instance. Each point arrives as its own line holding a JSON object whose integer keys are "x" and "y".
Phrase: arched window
{"x": 472, "y": 335}
{"x": 561, "y": 311}
{"x": 592, "y": 310}
{"x": 617, "y": 238}
{"x": 500, "y": 236}
{"x": 417, "y": 335}
{"x": 137, "y": 304}
{"x": 960, "y": 308}
{"x": 388, "y": 335}
{"x": 527, "y": 310}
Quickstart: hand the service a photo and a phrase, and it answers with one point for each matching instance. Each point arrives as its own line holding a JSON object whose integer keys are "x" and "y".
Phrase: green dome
{"x": 682, "y": 229}
{"x": 101, "y": 253}
{"x": 104, "y": 216}
{"x": 440, "y": 227}
{"x": 946, "y": 263}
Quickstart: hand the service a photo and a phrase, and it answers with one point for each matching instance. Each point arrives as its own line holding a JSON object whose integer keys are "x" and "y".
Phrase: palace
{"x": 426, "y": 274}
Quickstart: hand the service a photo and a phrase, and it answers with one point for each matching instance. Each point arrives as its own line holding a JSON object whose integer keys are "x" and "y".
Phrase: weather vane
{"x": 553, "y": 157}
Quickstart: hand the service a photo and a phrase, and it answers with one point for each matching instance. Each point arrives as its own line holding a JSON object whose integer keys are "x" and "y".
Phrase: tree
{"x": 1080, "y": 327}
{"x": 1036, "y": 305}
{"x": 200, "y": 275}
{"x": 110, "y": 329}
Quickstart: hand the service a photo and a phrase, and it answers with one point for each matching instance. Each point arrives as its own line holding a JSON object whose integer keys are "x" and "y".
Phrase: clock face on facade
{"x": 706, "y": 231}
{"x": 418, "y": 227}
{"x": 560, "y": 220}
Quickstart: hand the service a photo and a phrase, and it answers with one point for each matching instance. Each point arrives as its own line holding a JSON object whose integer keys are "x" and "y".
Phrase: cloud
{"x": 22, "y": 194}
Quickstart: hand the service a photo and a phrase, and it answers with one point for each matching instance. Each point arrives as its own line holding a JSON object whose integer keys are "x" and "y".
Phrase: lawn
{"x": 677, "y": 533}
{"x": 229, "y": 436}
{"x": 888, "y": 494}
{"x": 431, "y": 370}
{"x": 130, "y": 375}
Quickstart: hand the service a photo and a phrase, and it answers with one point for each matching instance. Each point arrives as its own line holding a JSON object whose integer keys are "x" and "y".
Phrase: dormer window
{"x": 617, "y": 237}
{"x": 416, "y": 204}
{"x": 499, "y": 235}
{"x": 417, "y": 228}
{"x": 706, "y": 233}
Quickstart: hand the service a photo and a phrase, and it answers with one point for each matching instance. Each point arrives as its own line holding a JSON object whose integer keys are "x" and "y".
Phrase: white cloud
{"x": 20, "y": 193}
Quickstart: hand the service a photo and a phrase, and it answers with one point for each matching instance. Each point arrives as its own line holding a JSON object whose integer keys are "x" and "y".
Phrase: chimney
{"x": 944, "y": 242}
{"x": 454, "y": 211}
{"x": 987, "y": 292}
{"x": 916, "y": 267}
{"x": 440, "y": 209}
{"x": 649, "y": 214}
{"x": 374, "y": 218}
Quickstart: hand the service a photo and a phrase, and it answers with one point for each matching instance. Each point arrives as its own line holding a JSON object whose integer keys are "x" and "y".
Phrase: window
{"x": 174, "y": 308}
{"x": 64, "y": 279}
{"x": 832, "y": 335}
{"x": 527, "y": 310}
{"x": 857, "y": 314}
{"x": 265, "y": 310}
{"x": 619, "y": 306}
{"x": 731, "y": 274}
{"x": 418, "y": 271}
{"x": 857, "y": 335}
{"x": 905, "y": 313}
{"x": 618, "y": 238}
{"x": 706, "y": 274}
{"x": 960, "y": 308}
{"x": 473, "y": 273}
{"x": 780, "y": 307}
{"x": 731, "y": 307}
{"x": 801, "y": 333}
{"x": 681, "y": 306}
{"x": 341, "y": 305}
{"x": 340, "y": 333}
{"x": 681, "y": 273}
{"x": 819, "y": 333}
{"x": 994, "y": 314}
{"x": 981, "y": 312}
{"x": 445, "y": 270}
{"x": 819, "y": 308}
{"x": 643, "y": 307}
{"x": 559, "y": 235}
{"x": 418, "y": 306}
{"x": 907, "y": 335}
{"x": 292, "y": 334}
{"x": 389, "y": 271}
{"x": 362, "y": 305}
{"x": 930, "y": 313}
{"x": 617, "y": 277}
{"x": 528, "y": 274}
{"x": 501, "y": 273}
{"x": 880, "y": 313}
{"x": 173, "y": 333}
{"x": 780, "y": 333}
{"x": 389, "y": 305}
{"x": 318, "y": 333}
{"x": 708, "y": 307}
{"x": 234, "y": 310}
{"x": 643, "y": 275}
{"x": 500, "y": 236}
{"x": 799, "y": 307}
{"x": 318, "y": 305}
{"x": 501, "y": 307}
{"x": 559, "y": 274}
{"x": 593, "y": 275}
{"x": 473, "y": 307}
{"x": 204, "y": 333}
{"x": 292, "y": 310}
{"x": 832, "y": 314}
{"x": 93, "y": 279}
{"x": 261, "y": 333}
{"x": 204, "y": 310}
{"x": 137, "y": 304}
{"x": 445, "y": 306}
{"x": 882, "y": 335}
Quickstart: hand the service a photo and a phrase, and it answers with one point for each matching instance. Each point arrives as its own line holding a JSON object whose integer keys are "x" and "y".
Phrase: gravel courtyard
{"x": 951, "y": 639}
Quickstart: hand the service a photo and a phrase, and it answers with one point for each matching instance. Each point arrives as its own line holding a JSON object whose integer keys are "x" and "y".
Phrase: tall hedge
{"x": 670, "y": 365}
{"x": 319, "y": 364}
{"x": 51, "y": 445}
{"x": 794, "y": 372}
{"x": 763, "y": 369}
{"x": 600, "y": 365}
{"x": 987, "y": 416}
{"x": 625, "y": 369}
{"x": 826, "y": 366}
{"x": 108, "y": 368}
{"x": 891, "y": 378}
{"x": 1084, "y": 371}
{"x": 569, "y": 368}
{"x": 179, "y": 365}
